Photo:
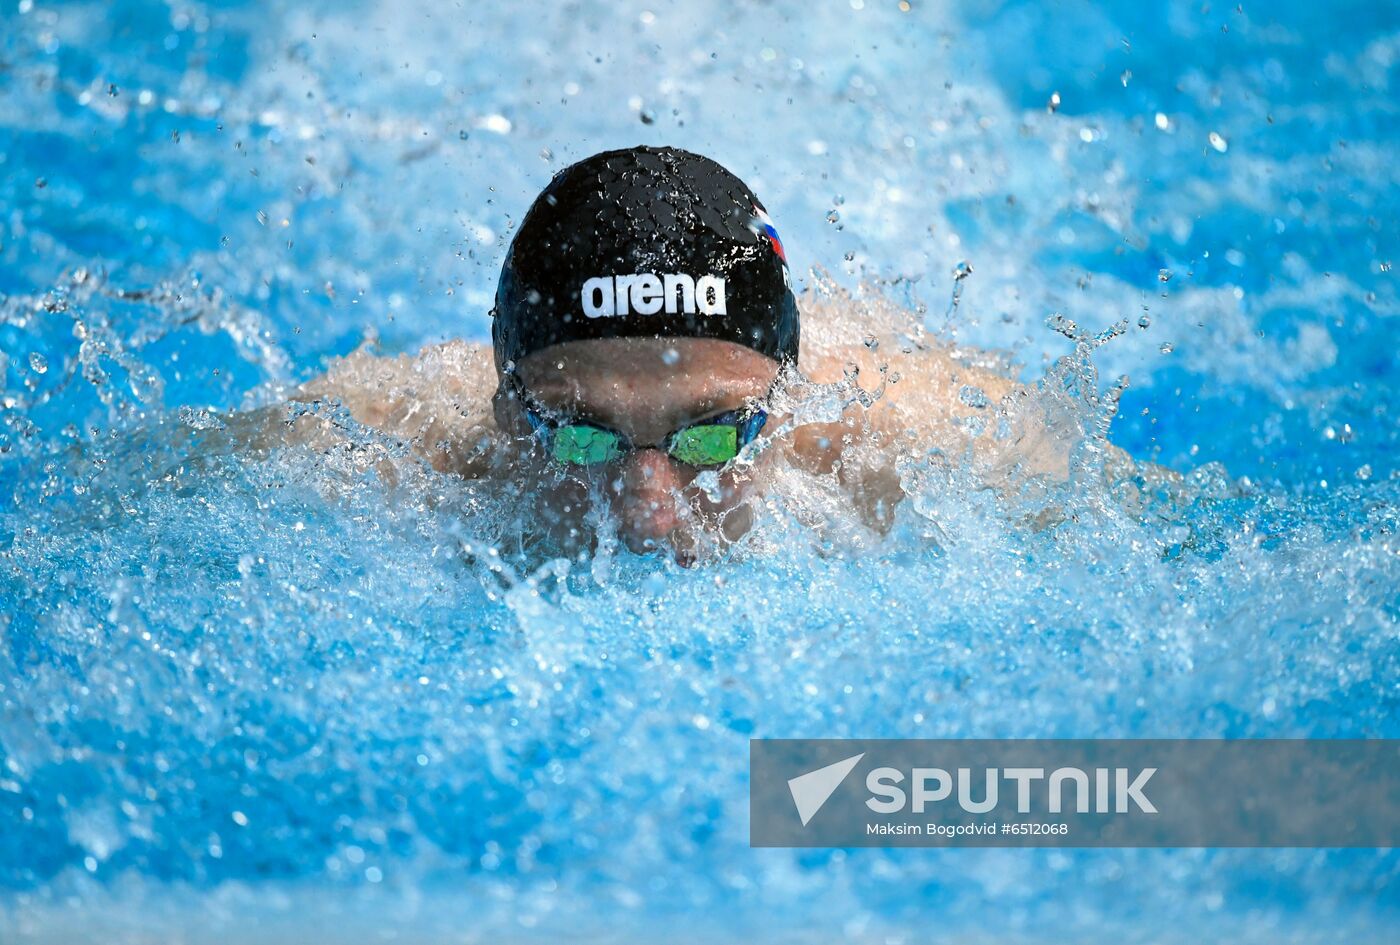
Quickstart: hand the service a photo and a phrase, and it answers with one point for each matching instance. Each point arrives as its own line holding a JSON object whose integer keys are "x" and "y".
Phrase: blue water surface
{"x": 265, "y": 697}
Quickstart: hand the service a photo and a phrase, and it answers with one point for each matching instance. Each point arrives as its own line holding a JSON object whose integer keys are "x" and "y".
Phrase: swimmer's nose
{"x": 646, "y": 502}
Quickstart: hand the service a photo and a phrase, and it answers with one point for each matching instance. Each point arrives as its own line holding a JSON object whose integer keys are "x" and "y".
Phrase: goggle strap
{"x": 751, "y": 426}
{"x": 538, "y": 426}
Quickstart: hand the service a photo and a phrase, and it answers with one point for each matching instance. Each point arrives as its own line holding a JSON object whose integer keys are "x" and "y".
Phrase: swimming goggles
{"x": 709, "y": 443}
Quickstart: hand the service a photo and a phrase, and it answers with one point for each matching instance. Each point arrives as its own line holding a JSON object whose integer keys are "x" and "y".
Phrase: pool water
{"x": 258, "y": 695}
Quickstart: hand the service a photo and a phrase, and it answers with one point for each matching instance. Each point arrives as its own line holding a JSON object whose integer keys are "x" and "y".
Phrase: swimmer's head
{"x": 646, "y": 295}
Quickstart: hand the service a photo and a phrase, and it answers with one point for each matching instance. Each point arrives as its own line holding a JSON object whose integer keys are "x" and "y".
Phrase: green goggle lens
{"x": 706, "y": 445}
{"x": 583, "y": 445}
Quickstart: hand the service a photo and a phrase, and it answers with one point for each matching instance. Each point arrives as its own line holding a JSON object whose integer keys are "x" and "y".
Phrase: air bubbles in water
{"x": 1167, "y": 347}
{"x": 38, "y": 363}
{"x": 1145, "y": 321}
{"x": 670, "y": 356}
{"x": 1053, "y": 105}
{"x": 1164, "y": 275}
{"x": 1218, "y": 142}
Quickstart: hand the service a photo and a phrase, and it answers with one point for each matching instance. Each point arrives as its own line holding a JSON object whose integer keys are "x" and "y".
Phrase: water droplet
{"x": 1056, "y": 321}
{"x": 1144, "y": 322}
{"x": 1163, "y": 122}
{"x": 1364, "y": 473}
{"x": 1126, "y": 77}
{"x": 1164, "y": 275}
{"x": 973, "y": 396}
{"x": 41, "y": 182}
{"x": 1218, "y": 142}
{"x": 262, "y": 217}
{"x": 647, "y": 117}
{"x": 1167, "y": 347}
{"x": 1054, "y": 104}
{"x": 961, "y": 271}
{"x": 670, "y": 357}
{"x": 1385, "y": 266}
{"x": 38, "y": 363}
{"x": 498, "y": 124}
{"x": 833, "y": 217}
{"x": 462, "y": 135}
{"x": 199, "y": 419}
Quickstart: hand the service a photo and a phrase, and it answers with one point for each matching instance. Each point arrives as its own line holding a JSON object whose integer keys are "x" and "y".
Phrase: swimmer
{"x": 646, "y": 357}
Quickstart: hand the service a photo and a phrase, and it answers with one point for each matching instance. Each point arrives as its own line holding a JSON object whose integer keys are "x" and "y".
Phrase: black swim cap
{"x": 653, "y": 242}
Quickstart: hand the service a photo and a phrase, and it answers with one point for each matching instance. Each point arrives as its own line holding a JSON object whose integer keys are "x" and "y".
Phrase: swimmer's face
{"x": 645, "y": 389}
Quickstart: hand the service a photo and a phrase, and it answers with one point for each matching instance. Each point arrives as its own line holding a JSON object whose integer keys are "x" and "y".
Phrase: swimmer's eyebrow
{"x": 712, "y": 403}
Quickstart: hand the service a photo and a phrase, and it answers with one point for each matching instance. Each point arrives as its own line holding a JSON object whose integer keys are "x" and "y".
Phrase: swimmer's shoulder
{"x": 457, "y": 364}
{"x": 438, "y": 399}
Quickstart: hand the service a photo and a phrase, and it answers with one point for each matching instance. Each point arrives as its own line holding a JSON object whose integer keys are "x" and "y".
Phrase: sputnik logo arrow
{"x": 811, "y": 790}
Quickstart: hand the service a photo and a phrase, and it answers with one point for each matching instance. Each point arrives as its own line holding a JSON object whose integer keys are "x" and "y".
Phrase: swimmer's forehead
{"x": 647, "y": 379}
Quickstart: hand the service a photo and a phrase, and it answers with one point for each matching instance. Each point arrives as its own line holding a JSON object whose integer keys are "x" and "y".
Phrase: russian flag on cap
{"x": 770, "y": 231}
